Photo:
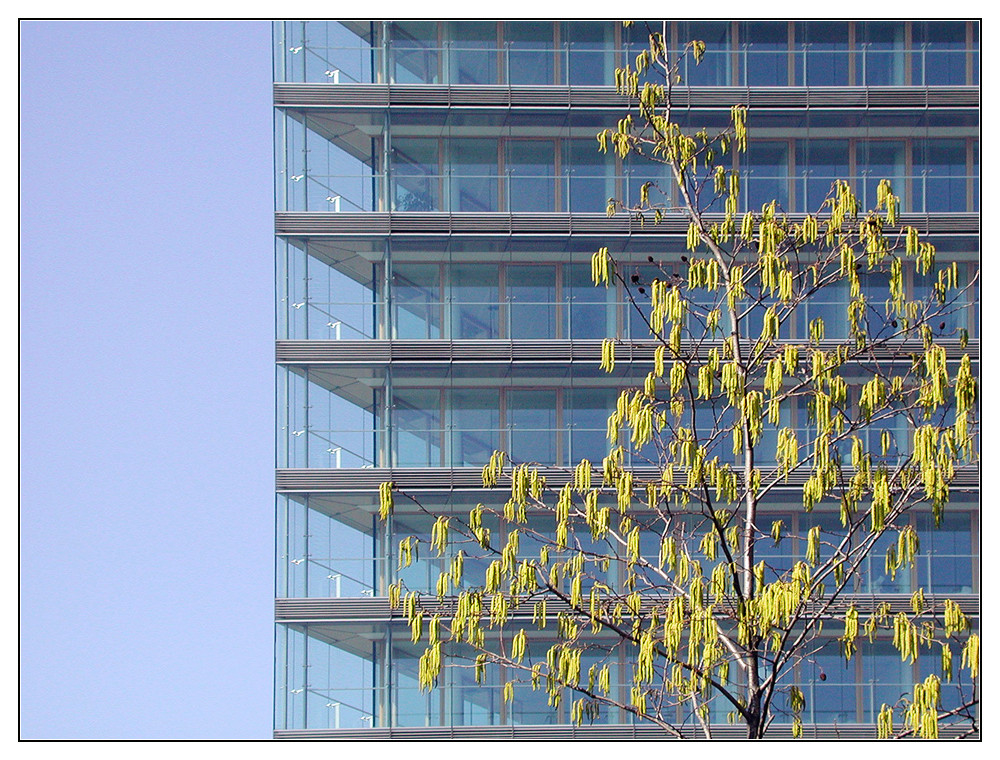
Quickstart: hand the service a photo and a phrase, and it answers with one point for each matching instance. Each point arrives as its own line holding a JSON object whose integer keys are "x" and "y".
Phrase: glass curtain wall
{"x": 762, "y": 53}
{"x": 329, "y": 291}
{"x": 322, "y": 168}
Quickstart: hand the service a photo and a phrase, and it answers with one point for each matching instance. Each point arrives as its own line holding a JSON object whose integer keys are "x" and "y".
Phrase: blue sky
{"x": 146, "y": 369}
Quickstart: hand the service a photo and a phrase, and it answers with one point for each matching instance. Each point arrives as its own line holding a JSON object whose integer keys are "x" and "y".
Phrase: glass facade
{"x": 420, "y": 163}
{"x": 580, "y": 53}
{"x": 506, "y": 170}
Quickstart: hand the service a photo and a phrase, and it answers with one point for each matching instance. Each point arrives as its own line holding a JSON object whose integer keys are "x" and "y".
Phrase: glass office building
{"x": 438, "y": 196}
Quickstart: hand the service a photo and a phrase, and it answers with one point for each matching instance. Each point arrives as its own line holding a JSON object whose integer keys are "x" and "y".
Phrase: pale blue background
{"x": 146, "y": 337}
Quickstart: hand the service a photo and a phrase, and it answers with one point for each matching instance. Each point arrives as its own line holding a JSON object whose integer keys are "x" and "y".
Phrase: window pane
{"x": 531, "y": 296}
{"x": 415, "y": 52}
{"x": 475, "y": 296}
{"x": 417, "y": 427}
{"x": 879, "y": 58}
{"x": 416, "y": 291}
{"x": 714, "y": 69}
{"x": 589, "y": 310}
{"x": 878, "y": 160}
{"x": 586, "y": 416}
{"x": 590, "y": 176}
{"x": 822, "y": 58}
{"x": 886, "y": 677}
{"x": 939, "y": 52}
{"x": 946, "y": 554}
{"x": 588, "y": 54}
{"x": 475, "y": 426}
{"x": 530, "y": 52}
{"x": 767, "y": 174}
{"x": 473, "y": 49}
{"x": 939, "y": 175}
{"x": 532, "y": 417}
{"x": 819, "y": 162}
{"x": 531, "y": 175}
{"x": 473, "y": 175}
{"x": 765, "y": 53}
{"x": 829, "y": 684}
{"x": 415, "y": 174}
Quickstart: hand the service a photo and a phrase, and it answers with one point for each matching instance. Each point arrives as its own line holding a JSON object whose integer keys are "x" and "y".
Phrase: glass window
{"x": 412, "y": 706}
{"x": 586, "y": 415}
{"x": 874, "y": 578}
{"x": 320, "y": 556}
{"x": 939, "y": 53}
{"x": 777, "y": 558}
{"x": 820, "y": 163}
{"x": 822, "y": 60}
{"x": 530, "y": 49}
{"x": 322, "y": 686}
{"x": 532, "y": 420}
{"x": 588, "y": 55}
{"x": 955, "y": 312}
{"x": 765, "y": 53}
{"x": 975, "y": 175}
{"x": 940, "y": 180}
{"x": 946, "y": 559}
{"x": 473, "y": 175}
{"x": 830, "y": 687}
{"x": 635, "y": 39}
{"x": 417, "y": 427}
{"x": 879, "y": 58}
{"x": 475, "y": 426}
{"x": 531, "y": 300}
{"x": 422, "y": 573}
{"x": 637, "y": 314}
{"x": 885, "y": 676}
{"x": 416, "y": 174}
{"x": 589, "y": 310}
{"x": 951, "y": 692}
{"x": 475, "y": 301}
{"x": 875, "y": 288}
{"x": 415, "y": 54}
{"x": 766, "y": 176}
{"x": 531, "y": 175}
{"x": 829, "y": 303}
{"x": 416, "y": 293}
{"x": 590, "y": 178}
{"x": 471, "y": 703}
{"x": 472, "y": 46}
{"x": 641, "y": 169}
{"x": 878, "y": 160}
{"x": 715, "y": 69}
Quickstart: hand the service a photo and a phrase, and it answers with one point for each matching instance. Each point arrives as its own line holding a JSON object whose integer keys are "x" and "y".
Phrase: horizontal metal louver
{"x": 377, "y": 609}
{"x": 305, "y": 95}
{"x": 375, "y": 352}
{"x": 380, "y": 224}
{"x": 416, "y": 479}
{"x": 624, "y": 732}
